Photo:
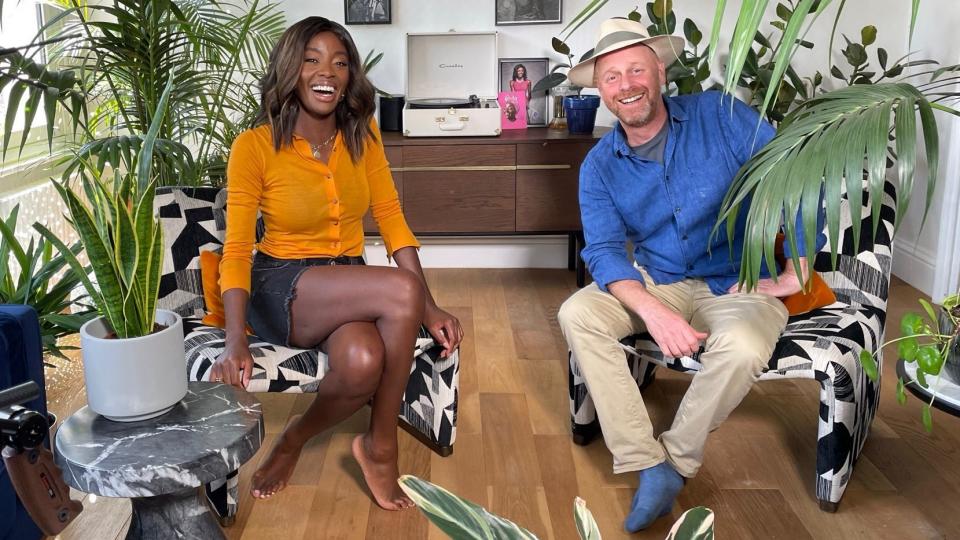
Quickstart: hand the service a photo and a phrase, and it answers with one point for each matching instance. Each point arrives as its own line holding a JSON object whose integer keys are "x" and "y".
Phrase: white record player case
{"x": 452, "y": 66}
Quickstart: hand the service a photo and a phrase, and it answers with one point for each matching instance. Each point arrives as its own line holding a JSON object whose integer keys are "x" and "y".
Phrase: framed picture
{"x": 528, "y": 11}
{"x": 367, "y": 11}
{"x": 519, "y": 75}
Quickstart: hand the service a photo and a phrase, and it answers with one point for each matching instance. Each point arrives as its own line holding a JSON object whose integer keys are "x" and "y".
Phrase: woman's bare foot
{"x": 381, "y": 475}
{"x": 274, "y": 473}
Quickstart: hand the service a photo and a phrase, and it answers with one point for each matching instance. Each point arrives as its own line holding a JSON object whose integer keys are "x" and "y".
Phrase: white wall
{"x": 929, "y": 259}
{"x": 916, "y": 255}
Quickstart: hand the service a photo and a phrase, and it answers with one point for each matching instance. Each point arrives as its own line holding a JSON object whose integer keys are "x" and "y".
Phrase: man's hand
{"x": 788, "y": 282}
{"x": 672, "y": 333}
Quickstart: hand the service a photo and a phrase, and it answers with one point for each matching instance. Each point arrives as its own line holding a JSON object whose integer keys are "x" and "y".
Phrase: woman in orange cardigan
{"x": 313, "y": 165}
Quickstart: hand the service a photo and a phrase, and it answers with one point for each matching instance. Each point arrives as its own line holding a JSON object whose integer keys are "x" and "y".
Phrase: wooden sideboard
{"x": 522, "y": 182}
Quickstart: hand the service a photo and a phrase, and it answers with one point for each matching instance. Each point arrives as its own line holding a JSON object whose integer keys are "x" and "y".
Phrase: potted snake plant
{"x": 132, "y": 353}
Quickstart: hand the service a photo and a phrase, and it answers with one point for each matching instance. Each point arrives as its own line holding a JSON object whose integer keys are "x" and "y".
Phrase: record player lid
{"x": 451, "y": 64}
{"x": 438, "y": 103}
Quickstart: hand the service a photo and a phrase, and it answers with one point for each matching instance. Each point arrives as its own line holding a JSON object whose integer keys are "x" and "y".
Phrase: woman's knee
{"x": 361, "y": 365}
{"x": 404, "y": 296}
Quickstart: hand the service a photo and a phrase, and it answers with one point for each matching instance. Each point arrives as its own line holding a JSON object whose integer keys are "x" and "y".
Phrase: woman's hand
{"x": 234, "y": 366}
{"x": 445, "y": 329}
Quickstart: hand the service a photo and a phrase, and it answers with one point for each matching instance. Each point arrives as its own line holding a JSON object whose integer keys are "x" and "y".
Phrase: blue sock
{"x": 659, "y": 486}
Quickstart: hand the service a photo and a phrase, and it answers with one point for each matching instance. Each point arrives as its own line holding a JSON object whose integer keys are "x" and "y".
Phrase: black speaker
{"x": 391, "y": 113}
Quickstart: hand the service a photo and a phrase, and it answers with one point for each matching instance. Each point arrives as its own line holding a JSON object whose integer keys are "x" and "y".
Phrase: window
{"x": 21, "y": 21}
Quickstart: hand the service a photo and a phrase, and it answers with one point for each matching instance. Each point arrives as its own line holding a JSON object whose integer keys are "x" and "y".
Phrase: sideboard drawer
{"x": 553, "y": 153}
{"x": 394, "y": 156}
{"x": 460, "y": 201}
{"x": 450, "y": 156}
{"x": 547, "y": 201}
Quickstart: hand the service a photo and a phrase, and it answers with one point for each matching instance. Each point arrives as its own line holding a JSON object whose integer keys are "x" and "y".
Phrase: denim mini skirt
{"x": 273, "y": 287}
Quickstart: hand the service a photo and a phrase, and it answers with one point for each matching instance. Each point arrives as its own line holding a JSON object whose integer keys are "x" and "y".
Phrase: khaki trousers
{"x": 743, "y": 328}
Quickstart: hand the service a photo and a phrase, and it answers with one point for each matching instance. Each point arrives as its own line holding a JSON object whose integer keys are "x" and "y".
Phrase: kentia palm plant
{"x": 119, "y": 57}
{"x": 826, "y": 142}
{"x": 833, "y": 141}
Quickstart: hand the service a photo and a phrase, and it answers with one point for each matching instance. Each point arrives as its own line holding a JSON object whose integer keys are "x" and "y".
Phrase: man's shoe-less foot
{"x": 659, "y": 486}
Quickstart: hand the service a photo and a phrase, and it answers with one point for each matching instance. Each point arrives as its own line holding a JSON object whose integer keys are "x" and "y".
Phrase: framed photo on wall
{"x": 519, "y": 75}
{"x": 528, "y": 11}
{"x": 367, "y": 11}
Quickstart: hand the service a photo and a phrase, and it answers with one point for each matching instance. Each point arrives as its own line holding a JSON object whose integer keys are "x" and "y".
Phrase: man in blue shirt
{"x": 657, "y": 181}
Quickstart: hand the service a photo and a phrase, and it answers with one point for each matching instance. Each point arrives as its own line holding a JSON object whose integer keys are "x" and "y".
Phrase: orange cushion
{"x": 819, "y": 295}
{"x": 210, "y": 274}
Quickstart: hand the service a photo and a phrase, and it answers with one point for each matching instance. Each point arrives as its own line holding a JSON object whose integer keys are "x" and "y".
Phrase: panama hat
{"x": 620, "y": 33}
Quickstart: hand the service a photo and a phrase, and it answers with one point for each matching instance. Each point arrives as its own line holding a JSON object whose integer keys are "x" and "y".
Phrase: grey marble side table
{"x": 160, "y": 463}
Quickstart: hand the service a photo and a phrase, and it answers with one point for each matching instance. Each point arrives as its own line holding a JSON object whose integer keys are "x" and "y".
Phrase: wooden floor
{"x": 513, "y": 452}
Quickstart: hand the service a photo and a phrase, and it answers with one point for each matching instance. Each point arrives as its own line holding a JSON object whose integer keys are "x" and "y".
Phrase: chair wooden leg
{"x": 828, "y": 506}
{"x": 585, "y": 434}
{"x": 442, "y": 451}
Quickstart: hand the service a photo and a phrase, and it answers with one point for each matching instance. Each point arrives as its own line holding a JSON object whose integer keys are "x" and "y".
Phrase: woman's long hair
{"x": 279, "y": 104}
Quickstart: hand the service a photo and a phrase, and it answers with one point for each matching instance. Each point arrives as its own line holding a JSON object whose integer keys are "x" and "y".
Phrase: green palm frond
{"x": 120, "y": 54}
{"x": 42, "y": 87}
{"x": 748, "y": 24}
{"x": 826, "y": 144}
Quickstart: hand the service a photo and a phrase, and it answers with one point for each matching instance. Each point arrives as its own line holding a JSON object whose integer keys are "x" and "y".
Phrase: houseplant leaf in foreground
{"x": 694, "y": 524}
{"x": 457, "y": 517}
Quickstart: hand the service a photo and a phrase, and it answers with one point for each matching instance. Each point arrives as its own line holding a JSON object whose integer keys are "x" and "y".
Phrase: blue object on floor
{"x": 659, "y": 486}
{"x": 21, "y": 360}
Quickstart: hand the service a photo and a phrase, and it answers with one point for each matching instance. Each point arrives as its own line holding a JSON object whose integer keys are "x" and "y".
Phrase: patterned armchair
{"x": 823, "y": 344}
{"x": 194, "y": 219}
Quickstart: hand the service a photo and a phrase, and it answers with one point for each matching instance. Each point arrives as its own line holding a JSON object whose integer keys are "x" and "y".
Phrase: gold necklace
{"x": 317, "y": 148}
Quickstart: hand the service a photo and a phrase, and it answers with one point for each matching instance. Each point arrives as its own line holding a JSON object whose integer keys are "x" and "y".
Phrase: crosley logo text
{"x": 447, "y": 66}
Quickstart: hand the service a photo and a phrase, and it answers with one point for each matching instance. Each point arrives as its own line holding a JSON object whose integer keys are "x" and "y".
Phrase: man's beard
{"x": 638, "y": 117}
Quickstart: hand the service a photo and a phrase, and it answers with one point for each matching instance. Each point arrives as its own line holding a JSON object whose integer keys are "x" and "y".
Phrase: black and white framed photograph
{"x": 519, "y": 75}
{"x": 528, "y": 11}
{"x": 367, "y": 11}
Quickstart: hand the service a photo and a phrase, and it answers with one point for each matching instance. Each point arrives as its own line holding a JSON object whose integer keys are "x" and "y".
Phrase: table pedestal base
{"x": 176, "y": 515}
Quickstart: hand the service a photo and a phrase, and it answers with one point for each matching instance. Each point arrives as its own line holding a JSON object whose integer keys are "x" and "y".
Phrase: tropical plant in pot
{"x": 930, "y": 347}
{"x": 133, "y": 353}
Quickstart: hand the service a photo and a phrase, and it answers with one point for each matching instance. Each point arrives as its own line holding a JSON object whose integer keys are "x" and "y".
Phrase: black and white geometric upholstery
{"x": 194, "y": 220}
{"x": 823, "y": 344}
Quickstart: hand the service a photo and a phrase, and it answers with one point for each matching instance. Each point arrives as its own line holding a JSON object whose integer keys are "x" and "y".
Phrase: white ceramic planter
{"x": 136, "y": 378}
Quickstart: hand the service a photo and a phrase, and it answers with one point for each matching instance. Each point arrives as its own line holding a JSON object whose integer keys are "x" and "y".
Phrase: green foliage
{"x": 694, "y": 524}
{"x": 558, "y": 75}
{"x": 821, "y": 145}
{"x": 464, "y": 520}
{"x": 120, "y": 55}
{"x": 925, "y": 342}
{"x": 35, "y": 84}
{"x": 43, "y": 281}
{"x": 122, "y": 237}
{"x": 457, "y": 517}
{"x": 369, "y": 62}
